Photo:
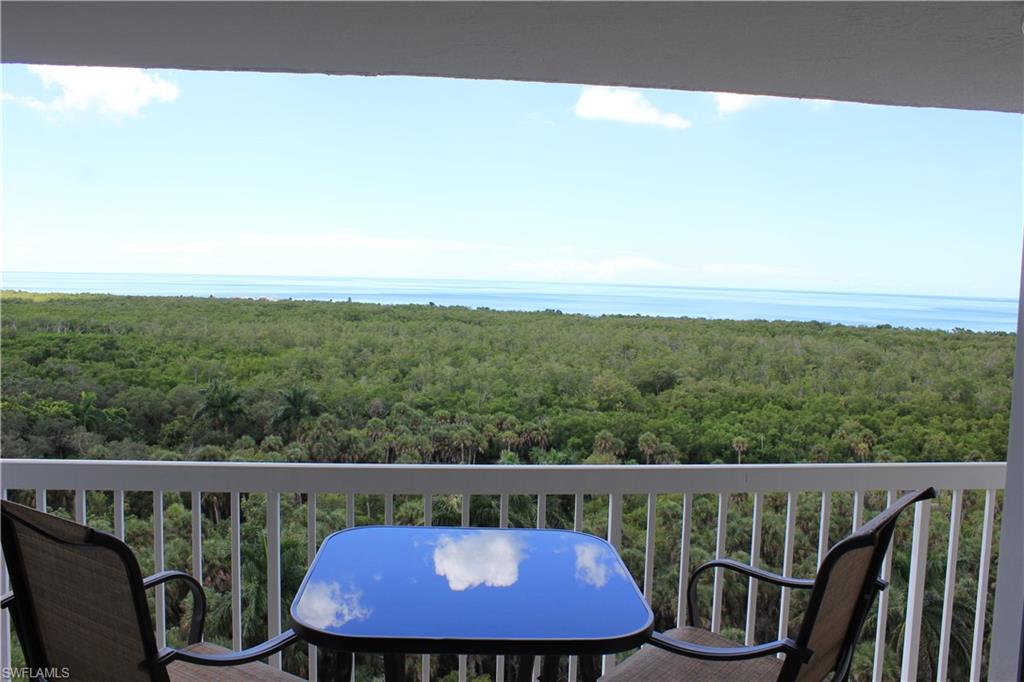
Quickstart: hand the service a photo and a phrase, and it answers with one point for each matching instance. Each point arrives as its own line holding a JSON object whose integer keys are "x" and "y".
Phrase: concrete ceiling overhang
{"x": 965, "y": 55}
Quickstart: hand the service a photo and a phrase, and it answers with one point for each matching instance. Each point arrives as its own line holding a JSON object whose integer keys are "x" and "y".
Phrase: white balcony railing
{"x": 614, "y": 482}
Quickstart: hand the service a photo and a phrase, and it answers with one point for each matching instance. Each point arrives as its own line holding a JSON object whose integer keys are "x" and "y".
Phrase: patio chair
{"x": 841, "y": 595}
{"x": 79, "y": 607}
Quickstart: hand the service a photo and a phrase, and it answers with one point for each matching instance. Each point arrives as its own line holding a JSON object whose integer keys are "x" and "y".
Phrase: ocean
{"x": 897, "y": 310}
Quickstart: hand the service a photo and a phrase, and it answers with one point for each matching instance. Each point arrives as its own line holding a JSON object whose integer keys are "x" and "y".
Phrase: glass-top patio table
{"x": 436, "y": 590}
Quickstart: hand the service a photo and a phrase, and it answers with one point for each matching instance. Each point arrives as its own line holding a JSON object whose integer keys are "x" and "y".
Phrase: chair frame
{"x": 796, "y": 650}
{"x": 19, "y": 601}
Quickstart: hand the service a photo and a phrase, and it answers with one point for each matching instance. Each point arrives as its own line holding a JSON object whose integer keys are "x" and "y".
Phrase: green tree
{"x": 740, "y": 445}
{"x": 87, "y": 413}
{"x": 221, "y": 404}
{"x": 606, "y": 445}
{"x": 466, "y": 440}
{"x": 297, "y": 403}
{"x": 647, "y": 443}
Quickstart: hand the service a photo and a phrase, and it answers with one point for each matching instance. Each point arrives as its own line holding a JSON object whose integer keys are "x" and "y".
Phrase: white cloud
{"x": 485, "y": 558}
{"x": 729, "y": 102}
{"x": 627, "y": 106}
{"x": 326, "y": 605}
{"x": 819, "y": 104}
{"x": 107, "y": 90}
{"x": 595, "y": 564}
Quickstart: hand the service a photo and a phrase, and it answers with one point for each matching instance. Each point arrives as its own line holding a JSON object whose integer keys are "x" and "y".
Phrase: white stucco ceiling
{"x": 948, "y": 54}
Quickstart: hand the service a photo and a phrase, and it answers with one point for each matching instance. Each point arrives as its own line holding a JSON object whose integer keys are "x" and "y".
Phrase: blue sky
{"x": 242, "y": 173}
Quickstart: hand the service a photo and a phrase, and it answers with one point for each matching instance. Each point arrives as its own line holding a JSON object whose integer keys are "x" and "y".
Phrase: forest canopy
{"x": 146, "y": 377}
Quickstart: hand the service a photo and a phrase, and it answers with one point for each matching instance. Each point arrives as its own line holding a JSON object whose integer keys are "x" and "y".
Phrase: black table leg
{"x": 524, "y": 669}
{"x": 549, "y": 669}
{"x": 394, "y": 668}
{"x": 587, "y": 670}
{"x": 335, "y": 665}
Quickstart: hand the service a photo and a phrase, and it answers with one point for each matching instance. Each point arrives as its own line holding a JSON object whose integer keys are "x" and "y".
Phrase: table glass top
{"x": 469, "y": 584}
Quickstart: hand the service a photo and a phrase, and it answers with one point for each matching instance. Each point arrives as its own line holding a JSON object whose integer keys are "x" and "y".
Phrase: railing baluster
{"x": 952, "y": 550}
{"x": 878, "y": 665}
{"x": 755, "y": 559}
{"x": 981, "y": 606}
{"x": 858, "y": 510}
{"x": 915, "y": 591}
{"x": 350, "y": 522}
{"x": 716, "y": 599}
{"x": 158, "y": 565}
{"x": 466, "y": 501}
{"x": 577, "y": 525}
{"x": 684, "y": 559}
{"x": 311, "y": 547}
{"x": 542, "y": 522}
{"x": 41, "y": 499}
{"x": 787, "y": 563}
{"x": 197, "y": 536}
{"x": 236, "y": 571}
{"x": 389, "y": 509}
{"x": 499, "y": 665}
{"x": 118, "y": 513}
{"x": 274, "y": 572}
{"x": 80, "y": 511}
{"x": 615, "y": 540}
{"x": 428, "y": 520}
{"x": 824, "y": 524}
{"x": 615, "y": 520}
{"x": 5, "y": 618}
{"x": 652, "y": 522}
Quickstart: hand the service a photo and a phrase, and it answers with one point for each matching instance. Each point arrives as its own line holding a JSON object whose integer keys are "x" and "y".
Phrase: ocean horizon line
{"x": 518, "y": 283}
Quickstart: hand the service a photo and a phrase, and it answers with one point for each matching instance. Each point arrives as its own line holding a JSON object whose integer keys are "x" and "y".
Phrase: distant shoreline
{"x": 855, "y": 309}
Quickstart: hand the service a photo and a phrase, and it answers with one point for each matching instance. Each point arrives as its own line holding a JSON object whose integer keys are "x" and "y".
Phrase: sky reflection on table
{"x": 452, "y": 583}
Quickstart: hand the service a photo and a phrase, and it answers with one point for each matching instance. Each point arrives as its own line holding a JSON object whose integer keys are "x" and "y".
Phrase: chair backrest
{"x": 844, "y": 589}
{"x": 79, "y": 602}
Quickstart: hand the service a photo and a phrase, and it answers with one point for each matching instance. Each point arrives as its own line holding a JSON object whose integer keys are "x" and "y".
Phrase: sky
{"x": 162, "y": 171}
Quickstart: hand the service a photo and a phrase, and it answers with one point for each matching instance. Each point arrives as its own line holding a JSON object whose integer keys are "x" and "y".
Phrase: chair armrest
{"x": 7, "y": 600}
{"x": 195, "y": 630}
{"x": 254, "y": 653}
{"x": 759, "y": 573}
{"x": 729, "y": 653}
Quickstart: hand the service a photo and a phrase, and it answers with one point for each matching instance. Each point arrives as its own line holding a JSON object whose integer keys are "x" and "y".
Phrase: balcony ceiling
{"x": 965, "y": 55}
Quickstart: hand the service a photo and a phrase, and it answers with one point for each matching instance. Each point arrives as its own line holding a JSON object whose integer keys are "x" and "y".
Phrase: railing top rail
{"x": 491, "y": 479}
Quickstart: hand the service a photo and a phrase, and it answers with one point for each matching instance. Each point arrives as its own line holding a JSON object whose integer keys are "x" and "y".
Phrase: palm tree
{"x": 740, "y": 445}
{"x": 606, "y": 445}
{"x": 648, "y": 445}
{"x": 508, "y": 439}
{"x": 297, "y": 403}
{"x": 87, "y": 413}
{"x": 466, "y": 439}
{"x": 222, "y": 403}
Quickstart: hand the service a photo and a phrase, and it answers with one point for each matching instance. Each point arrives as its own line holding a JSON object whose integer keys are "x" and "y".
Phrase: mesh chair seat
{"x": 179, "y": 671}
{"x": 651, "y": 664}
